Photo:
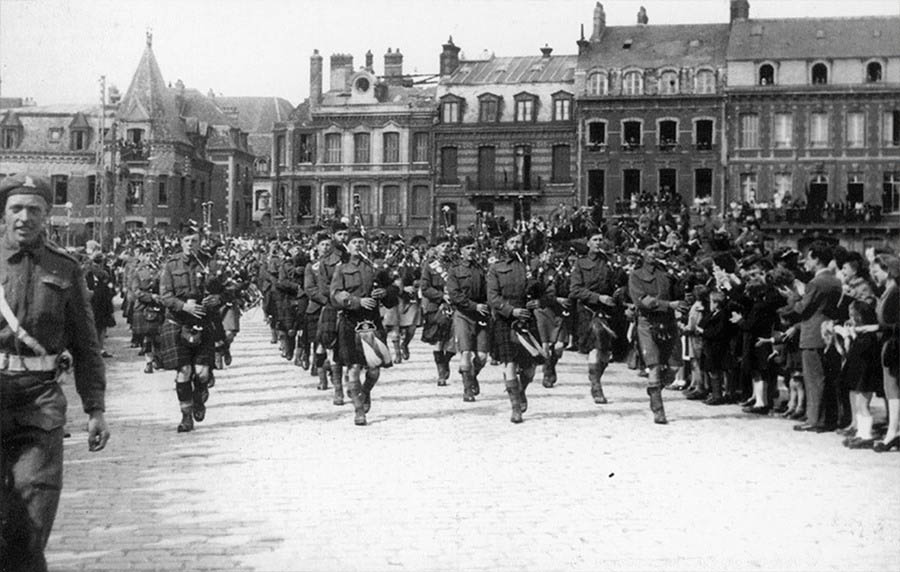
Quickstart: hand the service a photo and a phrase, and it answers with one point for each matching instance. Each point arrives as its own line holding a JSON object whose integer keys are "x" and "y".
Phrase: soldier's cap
{"x": 466, "y": 241}
{"x": 321, "y": 237}
{"x": 25, "y": 184}
{"x": 339, "y": 226}
{"x": 354, "y": 234}
{"x": 192, "y": 227}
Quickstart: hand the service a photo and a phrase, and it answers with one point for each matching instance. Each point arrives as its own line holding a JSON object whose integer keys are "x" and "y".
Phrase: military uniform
{"x": 438, "y": 316}
{"x": 467, "y": 288}
{"x": 148, "y": 312}
{"x": 317, "y": 300}
{"x": 46, "y": 292}
{"x": 591, "y": 278}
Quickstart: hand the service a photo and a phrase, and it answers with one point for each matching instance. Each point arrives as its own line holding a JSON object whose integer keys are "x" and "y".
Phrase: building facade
{"x": 650, "y": 108}
{"x": 361, "y": 150}
{"x": 504, "y": 137}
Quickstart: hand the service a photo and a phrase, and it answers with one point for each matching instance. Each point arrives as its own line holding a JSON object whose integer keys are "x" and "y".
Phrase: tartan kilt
{"x": 590, "y": 337}
{"x": 140, "y": 326}
{"x": 403, "y": 315}
{"x": 349, "y": 347}
{"x": 311, "y": 325}
{"x": 549, "y": 325}
{"x": 327, "y": 332}
{"x": 174, "y": 353}
{"x": 505, "y": 347}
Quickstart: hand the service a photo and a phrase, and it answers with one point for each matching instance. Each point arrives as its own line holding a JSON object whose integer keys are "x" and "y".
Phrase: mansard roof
{"x": 11, "y": 119}
{"x": 79, "y": 122}
{"x": 256, "y": 114}
{"x": 801, "y": 38}
{"x": 657, "y": 46}
{"x": 149, "y": 100}
{"x": 514, "y": 70}
{"x": 411, "y": 96}
{"x": 193, "y": 104}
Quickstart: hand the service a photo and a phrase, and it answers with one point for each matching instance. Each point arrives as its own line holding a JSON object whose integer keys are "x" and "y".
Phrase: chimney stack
{"x": 740, "y": 10}
{"x": 642, "y": 16}
{"x": 393, "y": 63}
{"x": 370, "y": 62}
{"x": 599, "y": 22}
{"x": 315, "y": 79}
{"x": 546, "y": 51}
{"x": 341, "y": 71}
{"x": 449, "y": 57}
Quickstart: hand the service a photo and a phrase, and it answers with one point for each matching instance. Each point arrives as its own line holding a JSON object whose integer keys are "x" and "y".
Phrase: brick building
{"x": 650, "y": 102}
{"x": 505, "y": 137}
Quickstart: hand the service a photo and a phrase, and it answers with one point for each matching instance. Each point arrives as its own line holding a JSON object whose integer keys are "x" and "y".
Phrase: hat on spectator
{"x": 25, "y": 184}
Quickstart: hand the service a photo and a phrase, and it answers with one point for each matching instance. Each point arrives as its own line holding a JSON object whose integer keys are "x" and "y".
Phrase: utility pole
{"x": 98, "y": 232}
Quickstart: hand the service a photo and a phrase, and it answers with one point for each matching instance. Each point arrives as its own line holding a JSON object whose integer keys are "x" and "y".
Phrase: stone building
{"x": 813, "y": 120}
{"x": 361, "y": 149}
{"x": 650, "y": 103}
{"x": 504, "y": 138}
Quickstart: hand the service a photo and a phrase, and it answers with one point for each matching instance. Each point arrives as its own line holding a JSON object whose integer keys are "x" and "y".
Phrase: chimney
{"x": 370, "y": 59}
{"x": 546, "y": 51}
{"x": 449, "y": 57}
{"x": 341, "y": 70}
{"x": 315, "y": 79}
{"x": 599, "y": 22}
{"x": 740, "y": 10}
{"x": 583, "y": 44}
{"x": 393, "y": 63}
{"x": 642, "y": 16}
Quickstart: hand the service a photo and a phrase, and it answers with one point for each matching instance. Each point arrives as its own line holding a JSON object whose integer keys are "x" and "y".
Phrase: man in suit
{"x": 816, "y": 304}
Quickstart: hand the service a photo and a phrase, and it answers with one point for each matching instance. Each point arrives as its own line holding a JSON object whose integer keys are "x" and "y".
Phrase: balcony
{"x": 134, "y": 153}
{"x": 531, "y": 186}
{"x": 667, "y": 146}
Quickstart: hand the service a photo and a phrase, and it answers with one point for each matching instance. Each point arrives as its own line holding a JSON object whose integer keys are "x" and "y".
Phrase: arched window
{"x": 873, "y": 72}
{"x": 766, "y": 74}
{"x": 705, "y": 82}
{"x": 597, "y": 84}
{"x": 633, "y": 83}
{"x": 668, "y": 83}
{"x": 820, "y": 74}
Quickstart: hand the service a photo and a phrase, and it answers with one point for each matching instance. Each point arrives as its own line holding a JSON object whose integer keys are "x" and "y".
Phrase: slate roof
{"x": 654, "y": 46}
{"x": 862, "y": 37}
{"x": 194, "y": 104}
{"x": 36, "y": 126}
{"x": 414, "y": 96}
{"x": 514, "y": 70}
{"x": 148, "y": 99}
{"x": 256, "y": 114}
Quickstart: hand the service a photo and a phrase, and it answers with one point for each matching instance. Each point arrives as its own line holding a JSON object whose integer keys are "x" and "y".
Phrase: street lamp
{"x": 68, "y": 223}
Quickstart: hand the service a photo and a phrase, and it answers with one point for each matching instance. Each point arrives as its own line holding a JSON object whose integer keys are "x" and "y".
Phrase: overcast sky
{"x": 54, "y": 51}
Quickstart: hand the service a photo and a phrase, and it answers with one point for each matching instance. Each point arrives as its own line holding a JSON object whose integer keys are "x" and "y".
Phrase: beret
{"x": 354, "y": 234}
{"x": 322, "y": 236}
{"x": 25, "y": 184}
{"x": 339, "y": 226}
{"x": 466, "y": 241}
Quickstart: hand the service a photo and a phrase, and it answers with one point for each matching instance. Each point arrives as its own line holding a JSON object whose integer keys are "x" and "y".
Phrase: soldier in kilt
{"x": 401, "y": 320}
{"x": 592, "y": 285}
{"x": 327, "y": 327}
{"x": 290, "y": 296}
{"x": 553, "y": 320}
{"x": 358, "y": 289}
{"x": 148, "y": 313}
{"x": 187, "y": 338}
{"x": 514, "y": 296}
{"x": 317, "y": 301}
{"x": 436, "y": 309}
{"x": 268, "y": 273}
{"x": 467, "y": 289}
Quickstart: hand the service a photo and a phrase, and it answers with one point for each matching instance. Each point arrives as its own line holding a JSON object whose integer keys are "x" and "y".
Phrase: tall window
{"x": 890, "y": 197}
{"x": 856, "y": 129}
{"x": 855, "y": 188}
{"x": 703, "y": 134}
{"x": 525, "y": 109}
{"x": 562, "y": 164}
{"x": 303, "y": 148}
{"x": 489, "y": 109}
{"x": 162, "y": 195}
{"x": 703, "y": 183}
{"x": 819, "y": 74}
{"x": 668, "y": 83}
{"x": 60, "y": 186}
{"x": 890, "y": 129}
{"x": 281, "y": 150}
{"x": 450, "y": 112}
{"x": 486, "y": 167}
{"x": 783, "y": 190}
{"x": 631, "y": 134}
{"x": 631, "y": 183}
{"x": 784, "y": 129}
{"x": 420, "y": 147}
{"x": 668, "y": 134}
{"x": 362, "y": 151}
{"x": 766, "y": 74}
{"x": 562, "y": 109}
{"x": 390, "y": 203}
{"x": 391, "y": 147}
{"x": 633, "y": 83}
{"x": 597, "y": 133}
{"x": 448, "y": 165}
{"x": 136, "y": 190}
{"x": 92, "y": 197}
{"x": 818, "y": 130}
{"x": 421, "y": 198}
{"x": 333, "y": 148}
{"x": 748, "y": 187}
{"x": 597, "y": 84}
{"x": 749, "y": 131}
{"x": 705, "y": 82}
{"x": 873, "y": 72}
{"x": 10, "y": 139}
{"x": 79, "y": 139}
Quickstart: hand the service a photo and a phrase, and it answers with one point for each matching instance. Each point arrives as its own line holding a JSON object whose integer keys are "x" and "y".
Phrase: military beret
{"x": 25, "y": 184}
{"x": 322, "y": 236}
{"x": 466, "y": 241}
{"x": 354, "y": 234}
{"x": 339, "y": 226}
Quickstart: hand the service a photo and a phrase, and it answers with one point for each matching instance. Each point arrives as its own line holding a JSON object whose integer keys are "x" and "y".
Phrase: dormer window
{"x": 633, "y": 83}
{"x": 668, "y": 83}
{"x": 79, "y": 139}
{"x": 705, "y": 82}
{"x": 873, "y": 72}
{"x": 362, "y": 85}
{"x": 562, "y": 106}
{"x": 451, "y": 109}
{"x": 597, "y": 84}
{"x": 819, "y": 74}
{"x": 766, "y": 74}
{"x": 10, "y": 138}
{"x": 526, "y": 108}
{"x": 488, "y": 108}
{"x": 135, "y": 136}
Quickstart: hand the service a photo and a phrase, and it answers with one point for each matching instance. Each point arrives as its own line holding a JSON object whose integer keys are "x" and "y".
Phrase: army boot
{"x": 549, "y": 370}
{"x": 185, "y": 399}
{"x": 355, "y": 389}
{"x": 512, "y": 388}
{"x": 200, "y": 395}
{"x": 443, "y": 369}
{"x": 337, "y": 381}
{"x": 526, "y": 375}
{"x": 594, "y": 375}
{"x": 477, "y": 366}
{"x": 371, "y": 380}
{"x": 468, "y": 381}
{"x": 656, "y": 405}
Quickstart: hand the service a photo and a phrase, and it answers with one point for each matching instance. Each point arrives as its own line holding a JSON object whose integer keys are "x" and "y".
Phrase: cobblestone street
{"x": 277, "y": 478}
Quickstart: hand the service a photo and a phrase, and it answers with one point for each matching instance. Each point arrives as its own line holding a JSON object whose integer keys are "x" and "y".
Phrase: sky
{"x": 54, "y": 51}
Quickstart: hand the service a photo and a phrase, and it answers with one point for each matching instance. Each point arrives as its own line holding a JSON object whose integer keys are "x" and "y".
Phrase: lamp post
{"x": 68, "y": 223}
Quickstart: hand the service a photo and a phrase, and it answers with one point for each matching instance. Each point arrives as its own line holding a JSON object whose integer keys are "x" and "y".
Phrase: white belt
{"x": 16, "y": 363}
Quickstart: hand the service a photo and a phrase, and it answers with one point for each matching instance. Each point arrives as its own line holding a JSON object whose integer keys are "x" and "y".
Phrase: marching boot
{"x": 512, "y": 388}
{"x": 185, "y": 400}
{"x": 656, "y": 405}
{"x": 318, "y": 362}
{"x": 467, "y": 379}
{"x": 337, "y": 381}
{"x": 594, "y": 375}
{"x": 478, "y": 365}
{"x": 526, "y": 375}
{"x": 355, "y": 389}
{"x": 395, "y": 346}
{"x": 200, "y": 395}
{"x": 274, "y": 336}
{"x": 290, "y": 343}
{"x": 226, "y": 355}
{"x": 371, "y": 380}
{"x": 323, "y": 379}
{"x": 148, "y": 367}
{"x": 408, "y": 334}
{"x": 549, "y": 370}
{"x": 443, "y": 370}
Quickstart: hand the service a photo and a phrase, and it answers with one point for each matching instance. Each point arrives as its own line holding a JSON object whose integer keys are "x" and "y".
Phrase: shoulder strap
{"x": 10, "y": 317}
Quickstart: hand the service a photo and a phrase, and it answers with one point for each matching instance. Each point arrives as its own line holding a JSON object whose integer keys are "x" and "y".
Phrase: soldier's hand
{"x": 212, "y": 301}
{"x": 193, "y": 308}
{"x": 564, "y": 302}
{"x": 607, "y": 300}
{"x": 98, "y": 431}
{"x": 521, "y": 314}
{"x": 482, "y": 309}
{"x": 378, "y": 293}
{"x": 533, "y": 304}
{"x": 409, "y": 289}
{"x": 368, "y": 303}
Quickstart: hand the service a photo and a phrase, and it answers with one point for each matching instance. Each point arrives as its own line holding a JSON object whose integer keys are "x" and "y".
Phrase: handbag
{"x": 662, "y": 332}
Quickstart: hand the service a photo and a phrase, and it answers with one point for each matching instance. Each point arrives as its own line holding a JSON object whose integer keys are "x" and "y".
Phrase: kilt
{"x": 311, "y": 327}
{"x": 549, "y": 325}
{"x": 592, "y": 336}
{"x": 349, "y": 348}
{"x": 470, "y": 337}
{"x": 653, "y": 351}
{"x": 140, "y": 326}
{"x": 174, "y": 353}
{"x": 504, "y": 345}
{"x": 327, "y": 331}
{"x": 403, "y": 315}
